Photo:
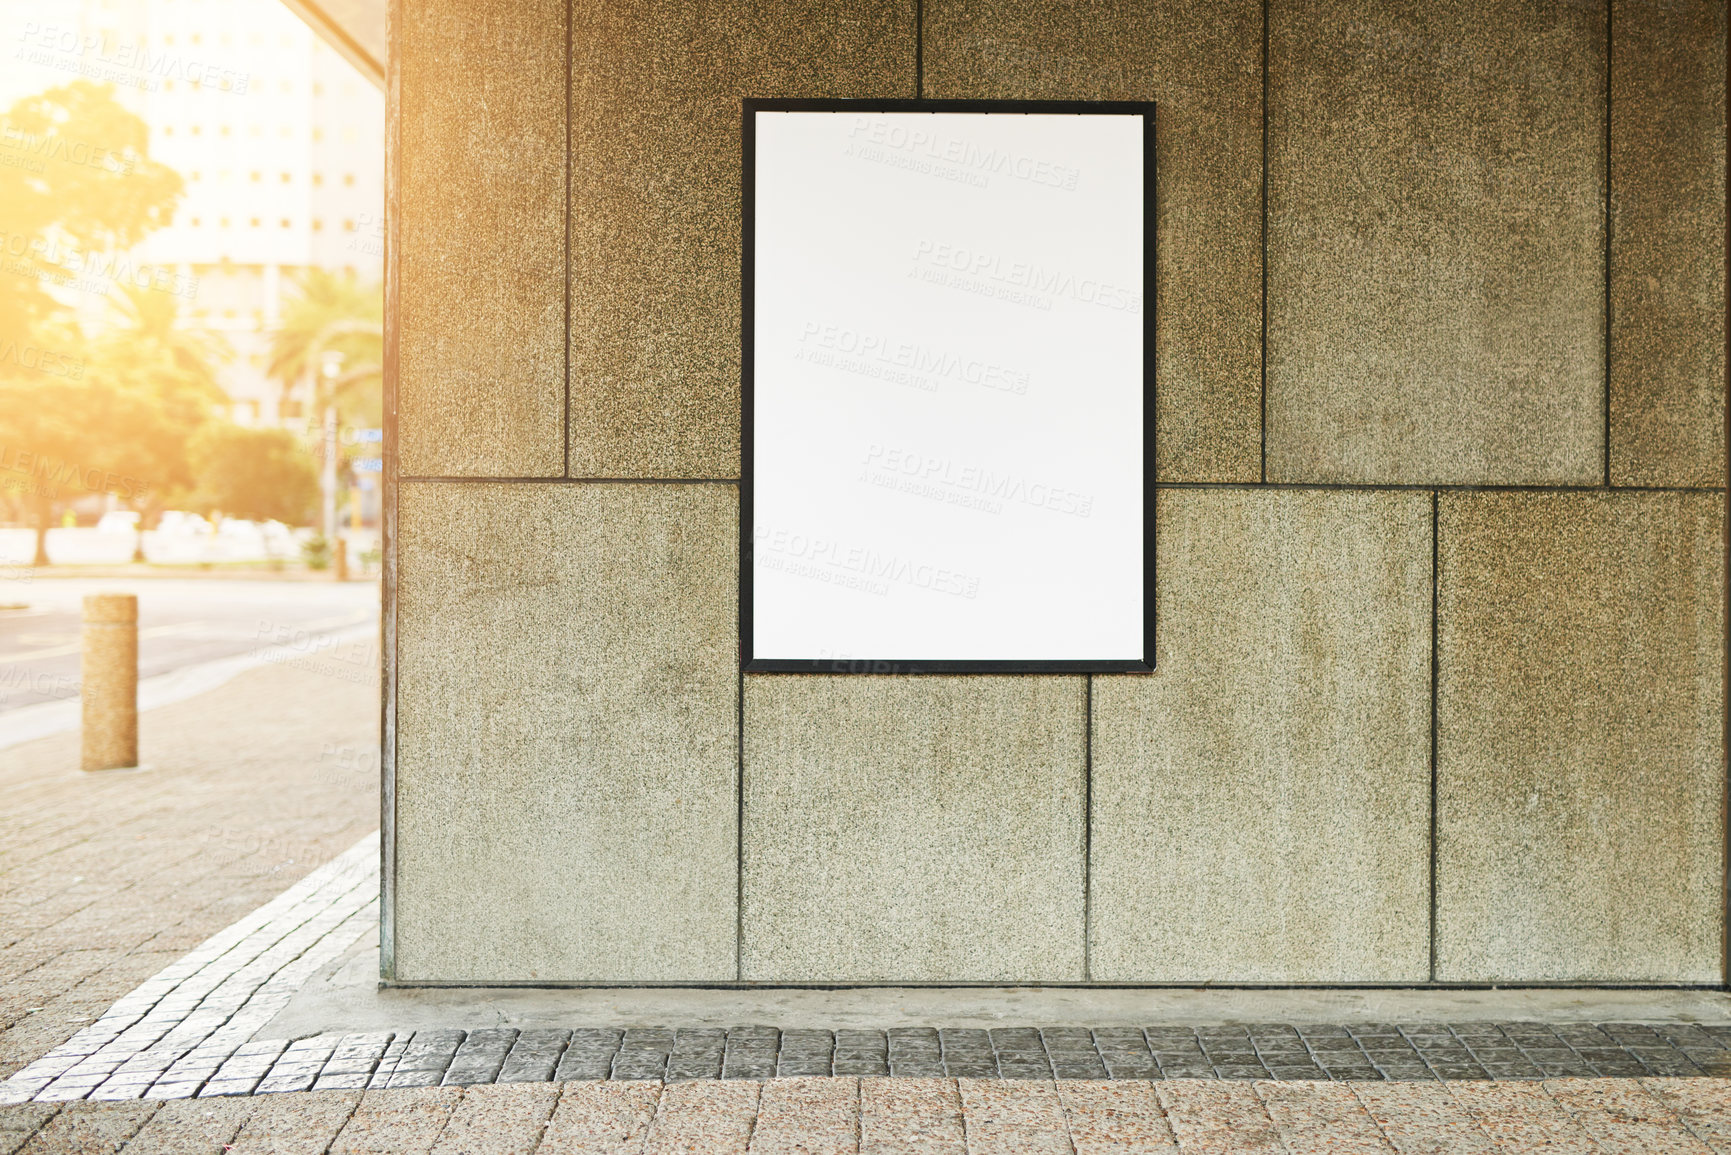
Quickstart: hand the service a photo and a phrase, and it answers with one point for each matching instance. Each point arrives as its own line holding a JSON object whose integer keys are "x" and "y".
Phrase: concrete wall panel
{"x": 1580, "y": 753}
{"x": 1202, "y": 62}
{"x": 1436, "y": 242}
{"x": 1261, "y": 801}
{"x": 921, "y": 829}
{"x": 1668, "y": 243}
{"x": 481, "y": 302}
{"x": 655, "y": 266}
{"x": 567, "y": 743}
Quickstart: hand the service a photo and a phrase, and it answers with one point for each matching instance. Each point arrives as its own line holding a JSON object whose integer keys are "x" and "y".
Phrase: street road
{"x": 180, "y": 623}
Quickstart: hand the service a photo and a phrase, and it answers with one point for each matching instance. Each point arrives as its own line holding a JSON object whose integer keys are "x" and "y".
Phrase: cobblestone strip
{"x": 1429, "y": 1054}
{"x": 175, "y": 1032}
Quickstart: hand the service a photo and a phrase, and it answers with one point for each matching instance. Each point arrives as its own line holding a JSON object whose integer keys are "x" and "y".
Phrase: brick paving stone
{"x": 19, "y": 1121}
{"x": 405, "y": 1122}
{"x": 1702, "y": 1105}
{"x": 710, "y": 1117}
{"x": 480, "y": 1057}
{"x": 1320, "y": 1117}
{"x": 698, "y": 1053}
{"x": 190, "y": 1126}
{"x": 967, "y": 1053}
{"x": 534, "y": 1056}
{"x": 387, "y": 1062}
{"x": 1422, "y": 1118}
{"x": 89, "y": 1129}
{"x": 596, "y": 1118}
{"x": 643, "y": 1054}
{"x": 1623, "y": 1117}
{"x": 1002, "y": 1118}
{"x": 298, "y": 1067}
{"x": 351, "y": 1065}
{"x": 1073, "y": 1053}
{"x": 805, "y": 1053}
{"x": 1209, "y": 1117}
{"x": 807, "y": 1116}
{"x": 505, "y": 1119}
{"x": 1522, "y": 1116}
{"x": 1114, "y": 1116}
{"x": 425, "y": 1059}
{"x": 589, "y": 1054}
{"x": 1665, "y": 1061}
{"x": 913, "y": 1052}
{"x": 295, "y": 1124}
{"x": 750, "y": 1053}
{"x": 861, "y": 1052}
{"x": 905, "y": 1116}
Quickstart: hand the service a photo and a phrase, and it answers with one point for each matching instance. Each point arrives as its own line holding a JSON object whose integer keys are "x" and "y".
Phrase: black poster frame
{"x": 748, "y": 200}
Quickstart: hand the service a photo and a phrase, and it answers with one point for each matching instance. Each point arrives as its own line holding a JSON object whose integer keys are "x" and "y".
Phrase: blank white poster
{"x": 947, "y": 374}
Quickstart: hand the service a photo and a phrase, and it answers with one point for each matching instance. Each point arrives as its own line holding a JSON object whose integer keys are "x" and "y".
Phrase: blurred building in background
{"x": 279, "y": 138}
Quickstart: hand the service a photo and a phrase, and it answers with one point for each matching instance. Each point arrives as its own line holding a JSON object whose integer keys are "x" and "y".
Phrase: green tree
{"x": 85, "y": 185}
{"x": 259, "y": 474}
{"x": 167, "y": 375}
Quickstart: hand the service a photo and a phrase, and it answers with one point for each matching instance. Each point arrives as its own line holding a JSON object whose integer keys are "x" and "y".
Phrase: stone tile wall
{"x": 1441, "y": 442}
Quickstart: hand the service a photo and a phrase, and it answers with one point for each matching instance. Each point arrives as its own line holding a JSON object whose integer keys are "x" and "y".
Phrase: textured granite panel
{"x": 1436, "y": 242}
{"x": 481, "y": 300}
{"x": 1202, "y": 64}
{"x": 567, "y": 732}
{"x": 1580, "y": 753}
{"x": 655, "y": 260}
{"x": 923, "y": 829}
{"x": 1261, "y": 801}
{"x": 1668, "y": 243}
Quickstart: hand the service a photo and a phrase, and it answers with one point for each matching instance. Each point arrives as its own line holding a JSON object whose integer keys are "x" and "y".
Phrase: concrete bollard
{"x": 110, "y": 681}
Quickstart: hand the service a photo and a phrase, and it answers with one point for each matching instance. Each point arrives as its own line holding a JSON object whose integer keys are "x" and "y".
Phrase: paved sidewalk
{"x": 894, "y": 1116}
{"x": 106, "y": 879}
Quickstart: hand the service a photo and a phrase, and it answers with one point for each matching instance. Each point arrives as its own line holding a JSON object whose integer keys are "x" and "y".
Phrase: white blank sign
{"x": 946, "y": 380}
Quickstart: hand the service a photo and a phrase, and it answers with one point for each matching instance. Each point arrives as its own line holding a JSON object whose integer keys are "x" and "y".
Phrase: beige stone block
{"x": 1436, "y": 242}
{"x": 1580, "y": 753}
{"x": 481, "y": 242}
{"x": 1668, "y": 243}
{"x": 567, "y": 736}
{"x": 655, "y": 196}
{"x": 1202, "y": 64}
{"x": 913, "y": 829}
{"x": 1261, "y": 802}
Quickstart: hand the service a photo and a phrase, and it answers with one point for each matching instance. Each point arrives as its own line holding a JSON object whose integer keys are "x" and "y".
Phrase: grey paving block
{"x": 534, "y": 1056}
{"x": 425, "y": 1059}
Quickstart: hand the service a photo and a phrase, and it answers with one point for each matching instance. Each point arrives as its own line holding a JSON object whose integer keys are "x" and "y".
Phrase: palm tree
{"x": 331, "y": 340}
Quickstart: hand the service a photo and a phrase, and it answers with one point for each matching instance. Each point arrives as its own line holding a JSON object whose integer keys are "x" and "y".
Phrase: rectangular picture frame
{"x": 889, "y": 663}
